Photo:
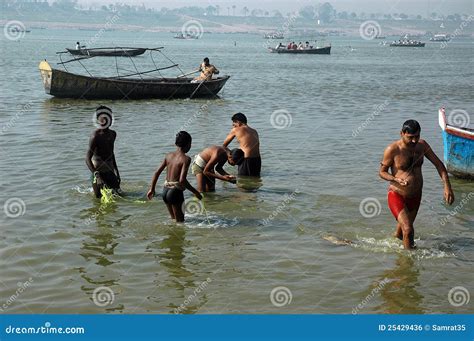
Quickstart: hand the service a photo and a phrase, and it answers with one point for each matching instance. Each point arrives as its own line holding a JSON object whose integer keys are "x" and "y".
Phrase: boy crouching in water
{"x": 176, "y": 164}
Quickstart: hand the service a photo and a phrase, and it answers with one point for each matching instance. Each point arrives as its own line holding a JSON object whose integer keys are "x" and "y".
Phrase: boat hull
{"x": 107, "y": 53}
{"x": 320, "y": 50}
{"x": 458, "y": 149}
{"x": 67, "y": 85}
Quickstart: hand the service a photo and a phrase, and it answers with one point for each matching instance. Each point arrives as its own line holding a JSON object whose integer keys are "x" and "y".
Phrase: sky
{"x": 423, "y": 7}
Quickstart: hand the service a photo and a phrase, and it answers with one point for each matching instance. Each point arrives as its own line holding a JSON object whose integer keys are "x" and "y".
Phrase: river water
{"x": 323, "y": 121}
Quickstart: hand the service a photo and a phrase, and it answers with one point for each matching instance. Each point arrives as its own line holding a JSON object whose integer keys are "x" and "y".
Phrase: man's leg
{"x": 406, "y": 223}
{"x": 170, "y": 210}
{"x": 201, "y": 182}
{"x": 398, "y": 233}
{"x": 178, "y": 213}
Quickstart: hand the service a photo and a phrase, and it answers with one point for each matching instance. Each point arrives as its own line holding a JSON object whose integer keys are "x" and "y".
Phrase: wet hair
{"x": 239, "y": 117}
{"x": 183, "y": 139}
{"x": 206, "y": 60}
{"x": 237, "y": 156}
{"x": 411, "y": 127}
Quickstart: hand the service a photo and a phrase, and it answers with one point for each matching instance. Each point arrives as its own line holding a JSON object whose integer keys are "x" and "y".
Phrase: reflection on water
{"x": 249, "y": 183}
{"x": 400, "y": 295}
{"x": 171, "y": 254}
{"x": 99, "y": 246}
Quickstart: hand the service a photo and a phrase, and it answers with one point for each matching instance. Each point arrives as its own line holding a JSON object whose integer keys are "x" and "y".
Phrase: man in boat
{"x": 208, "y": 166}
{"x": 100, "y": 158}
{"x": 177, "y": 165}
{"x": 207, "y": 70}
{"x": 404, "y": 159}
{"x": 249, "y": 143}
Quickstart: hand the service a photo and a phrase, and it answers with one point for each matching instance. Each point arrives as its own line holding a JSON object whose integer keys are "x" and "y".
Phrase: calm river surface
{"x": 332, "y": 118}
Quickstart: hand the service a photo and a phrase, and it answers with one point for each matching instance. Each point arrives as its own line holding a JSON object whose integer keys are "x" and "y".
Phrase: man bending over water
{"x": 208, "y": 166}
{"x": 177, "y": 165}
{"x": 404, "y": 159}
{"x": 249, "y": 143}
{"x": 100, "y": 158}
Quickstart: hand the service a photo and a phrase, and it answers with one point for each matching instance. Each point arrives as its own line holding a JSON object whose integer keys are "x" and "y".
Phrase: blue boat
{"x": 458, "y": 147}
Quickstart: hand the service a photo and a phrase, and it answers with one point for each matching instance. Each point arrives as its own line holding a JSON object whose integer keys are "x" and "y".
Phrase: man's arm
{"x": 213, "y": 162}
{"x": 90, "y": 153}
{"x": 229, "y": 138}
{"x": 115, "y": 162}
{"x": 154, "y": 180}
{"x": 443, "y": 173}
{"x": 386, "y": 164}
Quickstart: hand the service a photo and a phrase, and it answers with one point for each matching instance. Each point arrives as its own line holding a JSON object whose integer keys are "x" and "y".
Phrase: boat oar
{"x": 189, "y": 73}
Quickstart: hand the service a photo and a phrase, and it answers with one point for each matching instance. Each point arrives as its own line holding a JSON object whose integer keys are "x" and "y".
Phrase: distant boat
{"x": 275, "y": 35}
{"x": 440, "y": 38}
{"x": 108, "y": 52}
{"x": 186, "y": 36}
{"x": 17, "y": 30}
{"x": 315, "y": 50}
{"x": 407, "y": 43}
{"x": 458, "y": 148}
{"x": 380, "y": 37}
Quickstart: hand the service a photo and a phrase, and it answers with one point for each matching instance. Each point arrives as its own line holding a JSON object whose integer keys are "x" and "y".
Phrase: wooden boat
{"x": 108, "y": 52}
{"x": 316, "y": 50}
{"x": 64, "y": 84}
{"x": 458, "y": 148}
{"x": 407, "y": 43}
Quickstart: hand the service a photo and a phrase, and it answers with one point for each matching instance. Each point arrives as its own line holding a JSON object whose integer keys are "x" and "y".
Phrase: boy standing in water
{"x": 100, "y": 158}
{"x": 176, "y": 164}
{"x": 404, "y": 158}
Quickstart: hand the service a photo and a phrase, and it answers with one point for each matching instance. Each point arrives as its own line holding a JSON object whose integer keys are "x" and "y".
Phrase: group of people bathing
{"x": 207, "y": 166}
{"x": 401, "y": 167}
{"x": 293, "y": 46}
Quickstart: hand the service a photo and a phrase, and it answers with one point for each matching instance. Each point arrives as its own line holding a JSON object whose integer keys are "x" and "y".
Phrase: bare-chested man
{"x": 208, "y": 166}
{"x": 404, "y": 159}
{"x": 207, "y": 70}
{"x": 177, "y": 165}
{"x": 249, "y": 143}
{"x": 100, "y": 158}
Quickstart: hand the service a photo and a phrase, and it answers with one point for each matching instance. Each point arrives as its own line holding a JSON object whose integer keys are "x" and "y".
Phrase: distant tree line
{"x": 324, "y": 12}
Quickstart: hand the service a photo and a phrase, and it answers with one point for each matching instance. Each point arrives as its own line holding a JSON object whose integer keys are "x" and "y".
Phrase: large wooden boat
{"x": 108, "y": 52}
{"x": 135, "y": 85}
{"x": 315, "y": 50}
{"x": 458, "y": 147}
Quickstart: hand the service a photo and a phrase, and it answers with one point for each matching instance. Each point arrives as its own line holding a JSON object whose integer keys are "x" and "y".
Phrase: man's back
{"x": 248, "y": 140}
